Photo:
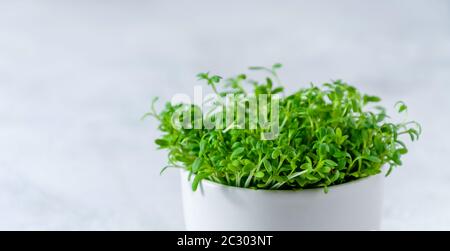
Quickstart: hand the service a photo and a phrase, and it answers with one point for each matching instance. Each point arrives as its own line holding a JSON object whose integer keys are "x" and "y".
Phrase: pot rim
{"x": 216, "y": 185}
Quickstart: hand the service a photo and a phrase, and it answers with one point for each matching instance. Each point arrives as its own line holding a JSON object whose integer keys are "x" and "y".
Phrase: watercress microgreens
{"x": 327, "y": 137}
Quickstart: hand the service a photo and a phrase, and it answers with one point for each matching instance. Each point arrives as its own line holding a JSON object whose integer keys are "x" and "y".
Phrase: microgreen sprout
{"x": 329, "y": 134}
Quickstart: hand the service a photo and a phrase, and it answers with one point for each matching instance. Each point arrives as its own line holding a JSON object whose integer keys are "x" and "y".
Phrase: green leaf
{"x": 295, "y": 175}
{"x": 330, "y": 162}
{"x": 237, "y": 152}
{"x": 306, "y": 166}
{"x": 267, "y": 166}
{"x": 215, "y": 79}
{"x": 269, "y": 83}
{"x": 325, "y": 169}
{"x": 323, "y": 149}
{"x": 276, "y": 153}
{"x": 203, "y": 75}
{"x": 203, "y": 144}
{"x": 196, "y": 165}
{"x": 236, "y": 145}
{"x": 327, "y": 135}
{"x": 256, "y": 68}
{"x": 373, "y": 159}
{"x": 164, "y": 169}
{"x": 162, "y": 143}
{"x": 277, "y": 66}
{"x": 259, "y": 175}
{"x": 396, "y": 158}
{"x": 338, "y": 133}
{"x": 368, "y": 99}
{"x": 277, "y": 90}
{"x": 401, "y": 106}
{"x": 311, "y": 177}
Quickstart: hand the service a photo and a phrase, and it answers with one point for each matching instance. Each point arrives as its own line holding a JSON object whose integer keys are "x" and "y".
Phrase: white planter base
{"x": 352, "y": 206}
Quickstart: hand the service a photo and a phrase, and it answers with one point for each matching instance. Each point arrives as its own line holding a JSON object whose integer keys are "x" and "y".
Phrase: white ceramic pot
{"x": 351, "y": 206}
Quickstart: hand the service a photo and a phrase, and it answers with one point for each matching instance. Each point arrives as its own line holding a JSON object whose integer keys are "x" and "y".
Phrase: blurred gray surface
{"x": 75, "y": 77}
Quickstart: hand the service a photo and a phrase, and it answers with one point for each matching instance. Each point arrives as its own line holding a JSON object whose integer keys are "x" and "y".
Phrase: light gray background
{"x": 75, "y": 77}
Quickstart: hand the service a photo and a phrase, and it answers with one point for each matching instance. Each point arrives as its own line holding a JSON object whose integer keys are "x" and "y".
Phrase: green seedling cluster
{"x": 329, "y": 134}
